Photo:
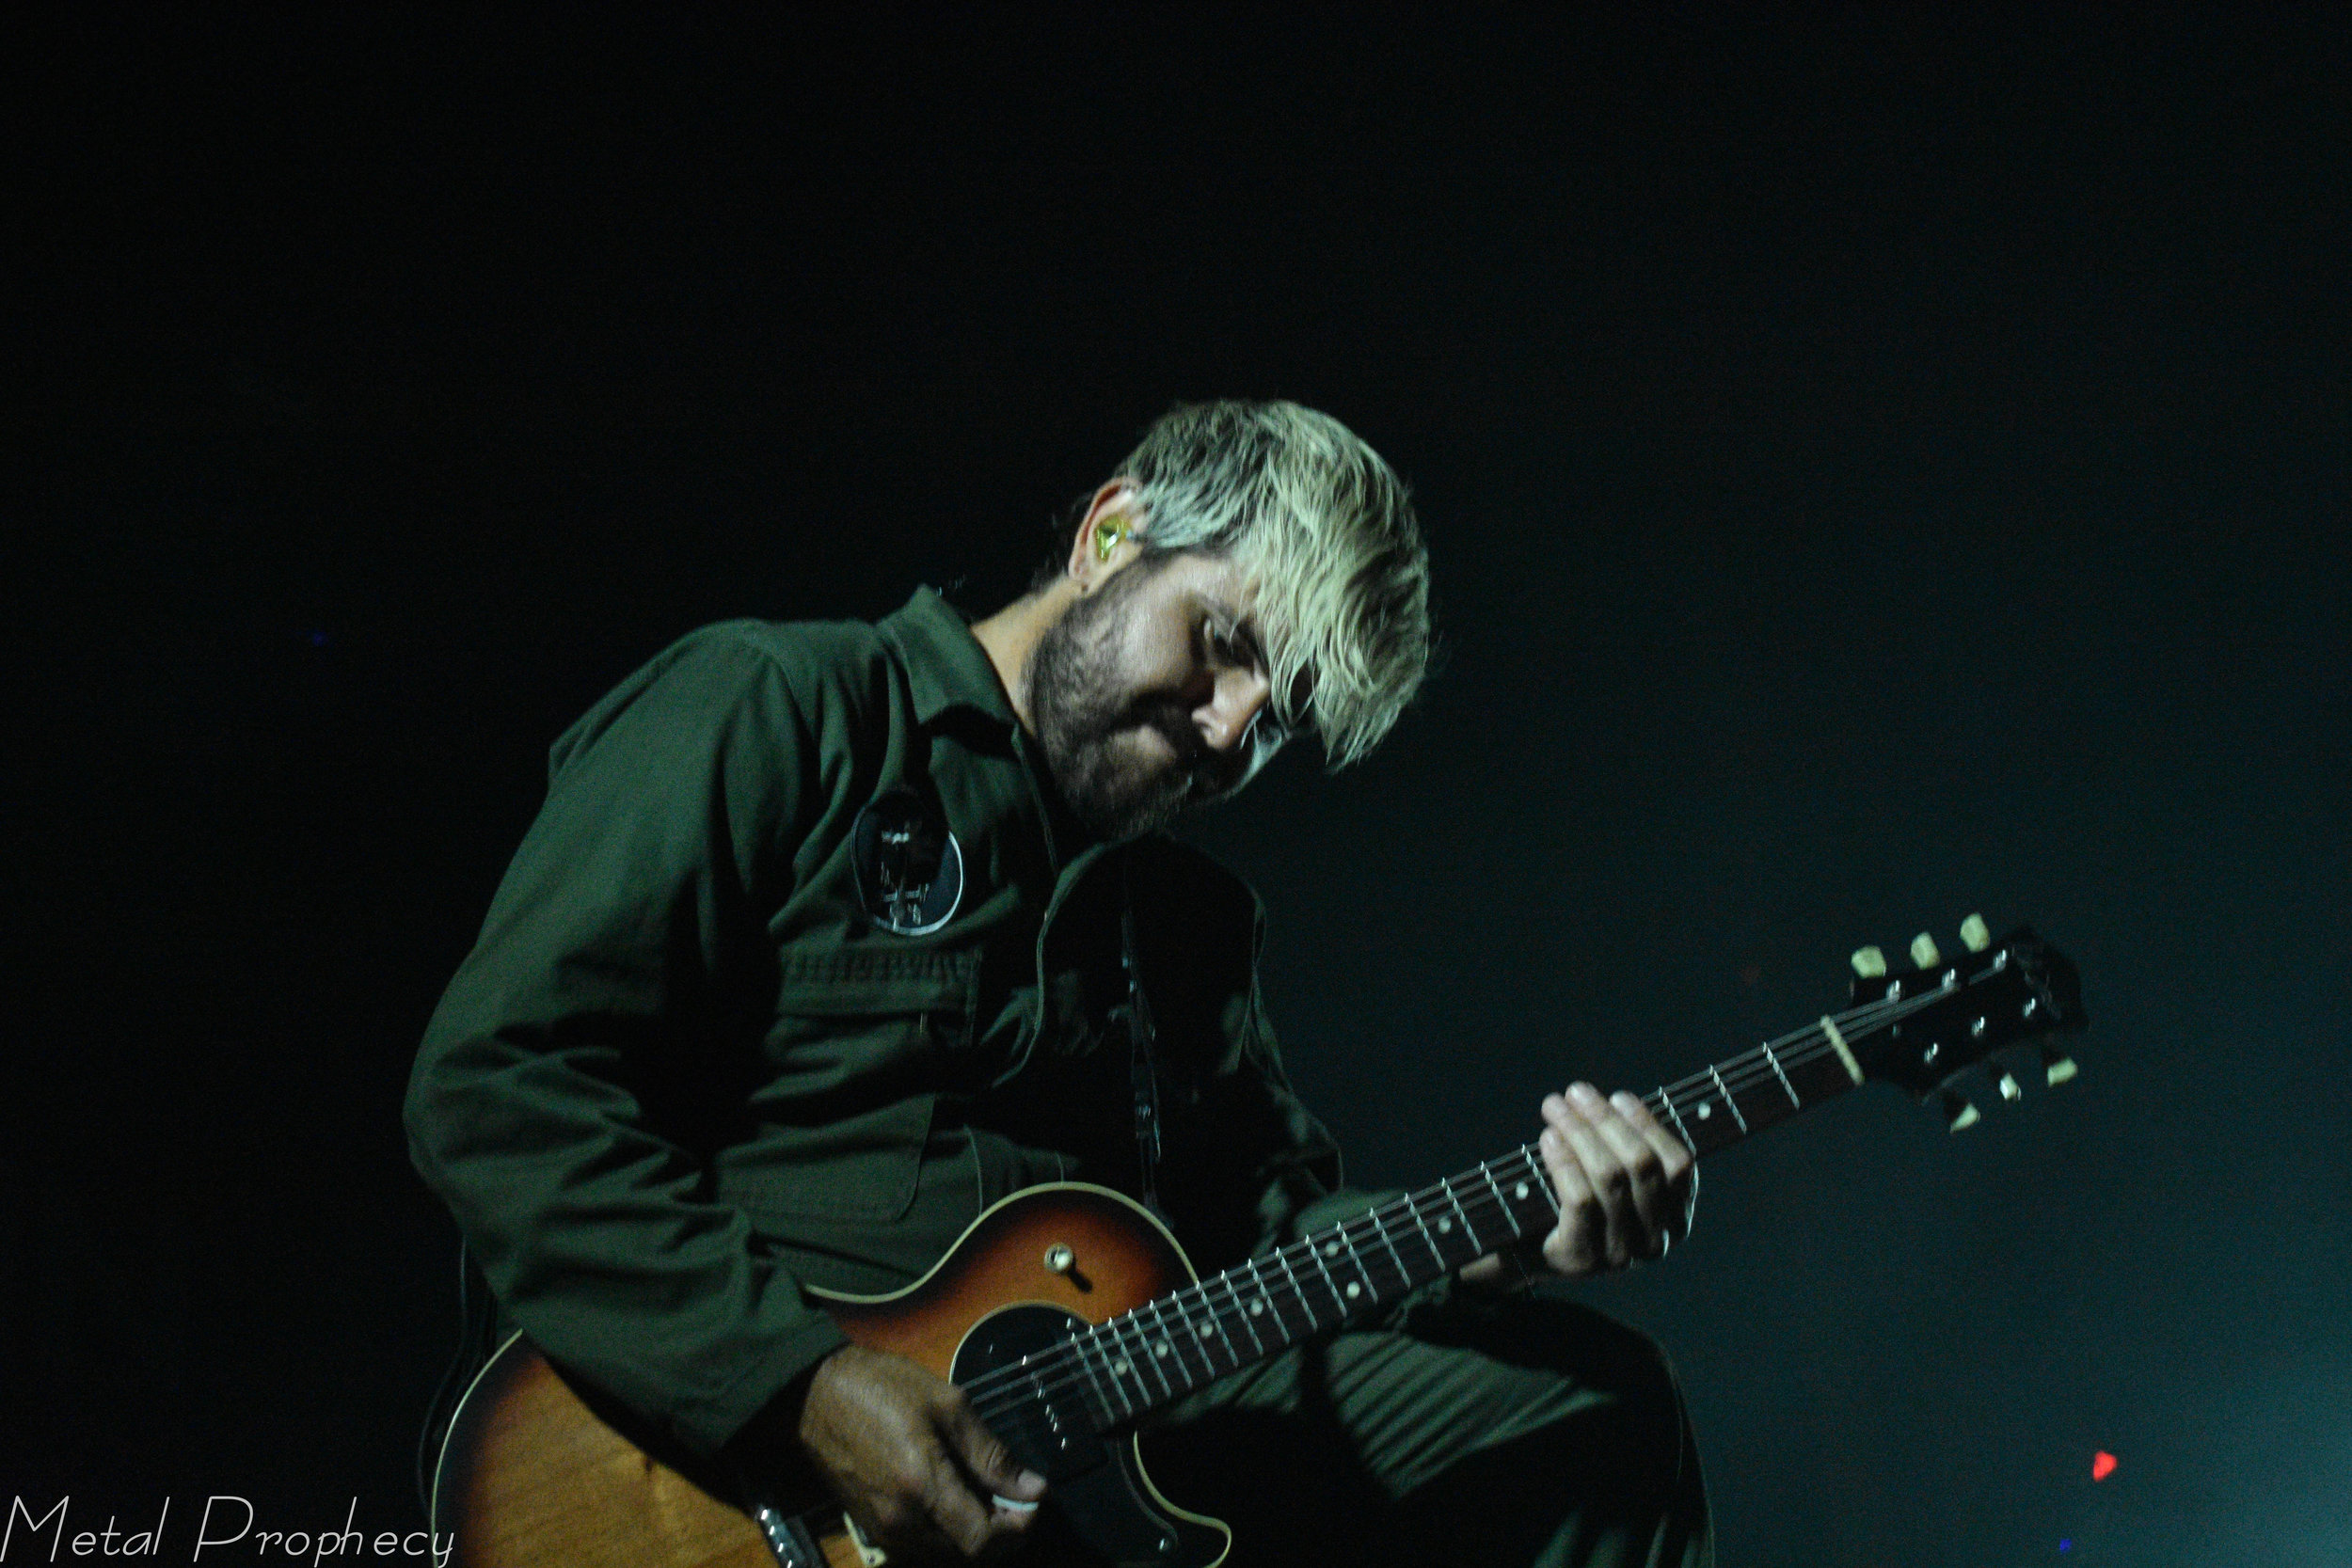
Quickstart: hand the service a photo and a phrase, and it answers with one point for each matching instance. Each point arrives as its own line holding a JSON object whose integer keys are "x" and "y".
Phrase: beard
{"x": 1090, "y": 728}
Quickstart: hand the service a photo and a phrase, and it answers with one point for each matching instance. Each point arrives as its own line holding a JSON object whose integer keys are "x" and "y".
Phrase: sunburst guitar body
{"x": 538, "y": 1469}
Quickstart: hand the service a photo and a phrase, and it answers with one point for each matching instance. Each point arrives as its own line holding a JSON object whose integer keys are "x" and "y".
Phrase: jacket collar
{"x": 946, "y": 665}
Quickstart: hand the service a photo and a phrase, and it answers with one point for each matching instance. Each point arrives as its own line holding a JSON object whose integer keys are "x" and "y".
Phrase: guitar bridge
{"x": 789, "y": 1543}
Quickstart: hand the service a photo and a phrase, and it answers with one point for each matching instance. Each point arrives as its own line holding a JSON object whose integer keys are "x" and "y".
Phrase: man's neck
{"x": 1011, "y": 635}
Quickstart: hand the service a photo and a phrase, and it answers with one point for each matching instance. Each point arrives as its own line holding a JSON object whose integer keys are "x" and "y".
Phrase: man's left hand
{"x": 1623, "y": 1182}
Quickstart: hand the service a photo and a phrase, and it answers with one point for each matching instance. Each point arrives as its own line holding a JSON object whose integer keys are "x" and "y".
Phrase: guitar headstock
{"x": 1928, "y": 1026}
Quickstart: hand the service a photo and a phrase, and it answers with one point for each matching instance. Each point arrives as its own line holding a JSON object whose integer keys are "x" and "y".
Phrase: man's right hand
{"x": 910, "y": 1460}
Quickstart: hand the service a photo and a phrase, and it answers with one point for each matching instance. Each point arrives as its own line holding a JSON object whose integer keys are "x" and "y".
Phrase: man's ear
{"x": 1107, "y": 535}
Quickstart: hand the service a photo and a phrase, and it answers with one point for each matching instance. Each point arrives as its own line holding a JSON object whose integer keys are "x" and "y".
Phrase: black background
{"x": 1876, "y": 467}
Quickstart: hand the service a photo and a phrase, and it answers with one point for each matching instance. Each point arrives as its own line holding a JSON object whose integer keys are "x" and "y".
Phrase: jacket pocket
{"x": 857, "y": 1048}
{"x": 821, "y": 994}
{"x": 863, "y": 1167}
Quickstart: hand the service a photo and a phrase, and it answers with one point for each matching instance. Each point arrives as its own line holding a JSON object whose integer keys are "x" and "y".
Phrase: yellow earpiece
{"x": 1108, "y": 533}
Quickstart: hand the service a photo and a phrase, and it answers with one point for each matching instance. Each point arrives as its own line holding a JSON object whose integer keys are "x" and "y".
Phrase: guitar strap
{"x": 1144, "y": 1068}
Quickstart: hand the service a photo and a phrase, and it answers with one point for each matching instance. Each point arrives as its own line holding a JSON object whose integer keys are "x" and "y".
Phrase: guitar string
{"x": 1000, "y": 1389}
{"x": 1055, "y": 1373}
{"x": 1753, "y": 1067}
{"x": 1193, "y": 1305}
{"x": 1052, "y": 1375}
{"x": 1865, "y": 1019}
{"x": 1295, "y": 1309}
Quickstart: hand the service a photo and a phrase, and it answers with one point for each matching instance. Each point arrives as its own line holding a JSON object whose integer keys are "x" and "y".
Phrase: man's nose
{"x": 1233, "y": 705}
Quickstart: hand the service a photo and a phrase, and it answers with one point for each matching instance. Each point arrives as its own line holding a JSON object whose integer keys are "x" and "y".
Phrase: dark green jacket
{"x": 682, "y": 1071}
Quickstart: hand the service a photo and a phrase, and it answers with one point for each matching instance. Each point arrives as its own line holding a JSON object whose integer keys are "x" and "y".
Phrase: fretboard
{"x": 1169, "y": 1347}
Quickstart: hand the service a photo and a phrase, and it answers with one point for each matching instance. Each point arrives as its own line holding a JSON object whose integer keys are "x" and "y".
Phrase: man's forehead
{"x": 1219, "y": 581}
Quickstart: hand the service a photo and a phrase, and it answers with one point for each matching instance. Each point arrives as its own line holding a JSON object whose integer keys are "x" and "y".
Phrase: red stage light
{"x": 2101, "y": 1464}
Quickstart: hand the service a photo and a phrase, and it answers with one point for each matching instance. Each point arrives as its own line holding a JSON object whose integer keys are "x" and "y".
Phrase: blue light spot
{"x": 2066, "y": 1545}
{"x": 318, "y": 640}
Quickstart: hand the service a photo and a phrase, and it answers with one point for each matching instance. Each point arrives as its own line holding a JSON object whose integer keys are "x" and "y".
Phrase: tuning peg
{"x": 1973, "y": 934}
{"x": 1957, "y": 1109}
{"x": 1923, "y": 952}
{"x": 2056, "y": 1066}
{"x": 1869, "y": 962}
{"x": 2008, "y": 1085}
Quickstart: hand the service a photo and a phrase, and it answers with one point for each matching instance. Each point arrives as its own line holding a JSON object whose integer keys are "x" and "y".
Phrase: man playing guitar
{"x": 831, "y": 936}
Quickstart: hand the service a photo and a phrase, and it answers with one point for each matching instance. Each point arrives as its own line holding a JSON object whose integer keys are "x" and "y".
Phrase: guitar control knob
{"x": 1059, "y": 1258}
{"x": 1975, "y": 935}
{"x": 2010, "y": 1091}
{"x": 1869, "y": 962}
{"x": 2056, "y": 1066}
{"x": 1961, "y": 1113}
{"x": 1923, "y": 952}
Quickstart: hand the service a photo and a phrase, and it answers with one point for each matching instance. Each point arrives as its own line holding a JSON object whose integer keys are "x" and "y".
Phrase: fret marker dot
{"x": 1331, "y": 1250}
{"x": 1257, "y": 1309}
{"x": 1444, "y": 1225}
{"x": 1519, "y": 1192}
{"x": 1354, "y": 1289}
{"x": 1203, "y": 1329}
{"x": 1705, "y": 1110}
{"x": 1160, "y": 1349}
{"x": 1120, "y": 1368}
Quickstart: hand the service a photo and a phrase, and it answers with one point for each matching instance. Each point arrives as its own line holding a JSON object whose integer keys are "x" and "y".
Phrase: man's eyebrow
{"x": 1240, "y": 622}
{"x": 1247, "y": 625}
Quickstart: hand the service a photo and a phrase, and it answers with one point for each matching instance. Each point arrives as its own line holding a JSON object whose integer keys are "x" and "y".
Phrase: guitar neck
{"x": 1169, "y": 1347}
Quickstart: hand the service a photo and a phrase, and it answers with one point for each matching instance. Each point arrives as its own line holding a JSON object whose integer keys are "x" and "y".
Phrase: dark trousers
{"x": 1497, "y": 1433}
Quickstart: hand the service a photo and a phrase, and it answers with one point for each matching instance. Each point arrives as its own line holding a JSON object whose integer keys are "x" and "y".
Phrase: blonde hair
{"x": 1325, "y": 530}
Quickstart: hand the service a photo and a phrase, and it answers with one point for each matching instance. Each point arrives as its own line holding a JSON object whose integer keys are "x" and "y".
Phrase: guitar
{"x": 1069, "y": 1314}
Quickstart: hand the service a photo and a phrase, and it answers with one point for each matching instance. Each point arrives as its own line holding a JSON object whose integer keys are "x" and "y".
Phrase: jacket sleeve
{"x": 553, "y": 1106}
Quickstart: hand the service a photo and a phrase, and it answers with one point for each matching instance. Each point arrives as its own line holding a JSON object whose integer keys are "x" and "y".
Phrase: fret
{"x": 1245, "y": 1310}
{"x": 1710, "y": 1131}
{"x": 1365, "y": 1254}
{"x": 1351, "y": 1291}
{"x": 1123, "y": 1372}
{"x": 1138, "y": 1355}
{"x": 1114, "y": 1359}
{"x": 1271, "y": 1294}
{"x": 1148, "y": 1339}
{"x": 1086, "y": 1366}
{"x": 1542, "y": 1179}
{"x": 1360, "y": 1258}
{"x": 1282, "y": 1256}
{"x": 1262, "y": 1302}
{"x": 1428, "y": 1237}
{"x": 1175, "y": 1341}
{"x": 1471, "y": 1230}
{"x": 1404, "y": 1274}
{"x": 1730, "y": 1102}
{"x": 1517, "y": 1230}
{"x": 1680, "y": 1130}
{"x": 1328, "y": 1283}
{"x": 1203, "y": 1331}
{"x": 1154, "y": 1350}
{"x": 1794, "y": 1103}
{"x": 1525, "y": 1189}
{"x": 1217, "y": 1323}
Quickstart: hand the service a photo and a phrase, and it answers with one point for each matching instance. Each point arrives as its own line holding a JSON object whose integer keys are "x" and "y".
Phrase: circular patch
{"x": 910, "y": 869}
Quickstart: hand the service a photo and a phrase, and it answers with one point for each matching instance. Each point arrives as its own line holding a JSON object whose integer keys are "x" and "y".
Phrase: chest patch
{"x": 909, "y": 868}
